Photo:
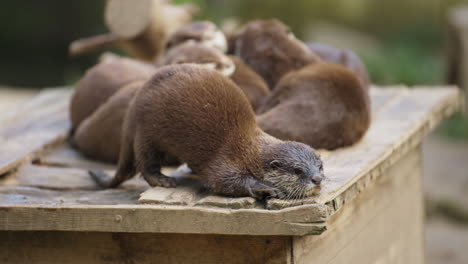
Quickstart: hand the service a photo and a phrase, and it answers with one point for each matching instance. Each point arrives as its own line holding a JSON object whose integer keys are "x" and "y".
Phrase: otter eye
{"x": 298, "y": 171}
{"x": 275, "y": 164}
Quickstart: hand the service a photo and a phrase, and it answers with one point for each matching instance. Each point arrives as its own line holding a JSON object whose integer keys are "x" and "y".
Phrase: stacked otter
{"x": 103, "y": 95}
{"x": 199, "y": 108}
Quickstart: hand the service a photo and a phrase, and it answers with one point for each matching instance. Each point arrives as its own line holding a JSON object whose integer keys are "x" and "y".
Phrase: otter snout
{"x": 315, "y": 175}
{"x": 316, "y": 179}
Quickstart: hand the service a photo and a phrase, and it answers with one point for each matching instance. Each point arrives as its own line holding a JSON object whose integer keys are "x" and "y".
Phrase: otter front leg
{"x": 244, "y": 186}
{"x": 261, "y": 190}
{"x": 154, "y": 177}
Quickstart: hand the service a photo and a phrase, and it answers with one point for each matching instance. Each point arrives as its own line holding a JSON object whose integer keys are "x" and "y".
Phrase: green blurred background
{"x": 400, "y": 41}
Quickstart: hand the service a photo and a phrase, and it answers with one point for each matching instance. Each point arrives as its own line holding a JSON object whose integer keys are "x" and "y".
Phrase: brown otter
{"x": 203, "y": 118}
{"x": 253, "y": 86}
{"x": 98, "y": 136}
{"x": 249, "y": 81}
{"x": 323, "y": 105}
{"x": 204, "y": 32}
{"x": 101, "y": 81}
{"x": 270, "y": 49}
{"x": 344, "y": 57}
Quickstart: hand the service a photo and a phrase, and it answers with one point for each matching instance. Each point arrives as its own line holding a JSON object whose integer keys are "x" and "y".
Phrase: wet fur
{"x": 323, "y": 105}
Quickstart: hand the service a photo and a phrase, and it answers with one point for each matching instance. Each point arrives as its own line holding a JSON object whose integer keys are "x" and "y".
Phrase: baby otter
{"x": 204, "y": 32}
{"x": 270, "y": 49}
{"x": 102, "y": 81}
{"x": 323, "y": 105}
{"x": 344, "y": 57}
{"x": 201, "y": 117}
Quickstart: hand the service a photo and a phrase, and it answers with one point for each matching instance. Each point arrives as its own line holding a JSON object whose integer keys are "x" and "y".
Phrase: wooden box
{"x": 370, "y": 209}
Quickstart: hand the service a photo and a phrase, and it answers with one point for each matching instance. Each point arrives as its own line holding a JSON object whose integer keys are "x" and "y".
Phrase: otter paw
{"x": 101, "y": 178}
{"x": 261, "y": 191}
{"x": 160, "y": 180}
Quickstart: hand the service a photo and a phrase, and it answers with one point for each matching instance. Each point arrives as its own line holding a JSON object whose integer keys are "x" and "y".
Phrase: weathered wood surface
{"x": 384, "y": 224}
{"x": 401, "y": 117}
{"x": 111, "y": 248}
{"x": 27, "y": 130}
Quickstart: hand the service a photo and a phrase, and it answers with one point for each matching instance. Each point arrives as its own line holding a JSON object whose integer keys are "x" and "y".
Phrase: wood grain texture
{"x": 29, "y": 129}
{"x": 107, "y": 248}
{"x": 384, "y": 224}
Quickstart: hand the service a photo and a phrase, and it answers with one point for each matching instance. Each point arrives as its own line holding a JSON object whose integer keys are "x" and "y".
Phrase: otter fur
{"x": 344, "y": 57}
{"x": 202, "y": 118}
{"x": 101, "y": 81}
{"x": 271, "y": 50}
{"x": 323, "y": 105}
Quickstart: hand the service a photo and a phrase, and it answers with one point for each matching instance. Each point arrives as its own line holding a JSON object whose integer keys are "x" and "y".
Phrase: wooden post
{"x": 458, "y": 47}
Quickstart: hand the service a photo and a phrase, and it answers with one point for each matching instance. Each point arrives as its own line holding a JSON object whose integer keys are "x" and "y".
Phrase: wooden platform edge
{"x": 296, "y": 221}
{"x": 449, "y": 105}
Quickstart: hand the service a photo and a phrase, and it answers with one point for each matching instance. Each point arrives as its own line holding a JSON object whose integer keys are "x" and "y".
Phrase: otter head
{"x": 194, "y": 52}
{"x": 203, "y": 32}
{"x": 271, "y": 49}
{"x": 294, "y": 168}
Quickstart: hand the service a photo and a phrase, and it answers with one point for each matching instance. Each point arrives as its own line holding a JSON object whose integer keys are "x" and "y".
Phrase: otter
{"x": 271, "y": 50}
{"x": 98, "y": 136}
{"x": 323, "y": 105}
{"x": 253, "y": 86}
{"x": 201, "y": 117}
{"x": 194, "y": 52}
{"x": 101, "y": 81}
{"x": 344, "y": 57}
{"x": 249, "y": 81}
{"x": 204, "y": 32}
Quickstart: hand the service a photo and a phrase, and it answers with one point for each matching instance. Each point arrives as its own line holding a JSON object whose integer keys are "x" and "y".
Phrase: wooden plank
{"x": 227, "y": 202}
{"x": 30, "y": 197}
{"x": 65, "y": 156}
{"x": 25, "y": 208}
{"x": 57, "y": 178}
{"x": 31, "y": 128}
{"x": 384, "y": 224}
{"x": 169, "y": 196}
{"x": 380, "y": 97}
{"x": 110, "y": 248}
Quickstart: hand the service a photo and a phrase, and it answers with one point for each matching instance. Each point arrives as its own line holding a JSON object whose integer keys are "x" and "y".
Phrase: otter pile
{"x": 244, "y": 114}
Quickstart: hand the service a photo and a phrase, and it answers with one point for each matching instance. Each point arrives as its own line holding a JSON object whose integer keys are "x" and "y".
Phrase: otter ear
{"x": 275, "y": 164}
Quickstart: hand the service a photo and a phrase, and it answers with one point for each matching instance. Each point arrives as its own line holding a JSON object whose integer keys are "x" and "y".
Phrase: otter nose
{"x": 317, "y": 179}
